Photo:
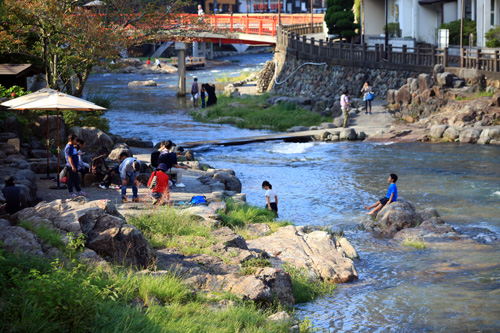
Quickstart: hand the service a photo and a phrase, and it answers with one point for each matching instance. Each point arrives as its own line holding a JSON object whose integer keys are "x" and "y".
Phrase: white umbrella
{"x": 49, "y": 99}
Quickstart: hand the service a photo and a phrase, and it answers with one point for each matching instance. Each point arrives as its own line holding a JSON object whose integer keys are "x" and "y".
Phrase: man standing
{"x": 71, "y": 154}
{"x": 194, "y": 92}
{"x": 129, "y": 169}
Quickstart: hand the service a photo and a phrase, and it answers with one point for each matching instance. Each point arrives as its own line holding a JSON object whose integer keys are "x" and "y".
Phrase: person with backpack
{"x": 129, "y": 169}
{"x": 159, "y": 185}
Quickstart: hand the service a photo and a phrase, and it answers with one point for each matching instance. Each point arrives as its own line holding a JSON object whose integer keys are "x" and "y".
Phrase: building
{"x": 17, "y": 74}
{"x": 420, "y": 19}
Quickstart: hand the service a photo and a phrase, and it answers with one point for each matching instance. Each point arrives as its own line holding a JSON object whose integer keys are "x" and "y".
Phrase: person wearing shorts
{"x": 392, "y": 196}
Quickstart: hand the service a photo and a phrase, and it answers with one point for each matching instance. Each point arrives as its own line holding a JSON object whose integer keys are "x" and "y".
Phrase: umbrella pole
{"x": 58, "y": 186}
{"x": 48, "y": 152}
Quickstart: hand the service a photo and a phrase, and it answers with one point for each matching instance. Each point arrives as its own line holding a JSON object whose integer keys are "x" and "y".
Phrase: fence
{"x": 420, "y": 58}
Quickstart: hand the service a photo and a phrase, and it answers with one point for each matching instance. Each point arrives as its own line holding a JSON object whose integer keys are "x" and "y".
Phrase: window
{"x": 492, "y": 19}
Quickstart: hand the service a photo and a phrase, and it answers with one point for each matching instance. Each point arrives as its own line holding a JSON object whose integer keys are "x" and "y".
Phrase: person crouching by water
{"x": 160, "y": 191}
{"x": 271, "y": 197}
{"x": 12, "y": 195}
{"x": 129, "y": 169}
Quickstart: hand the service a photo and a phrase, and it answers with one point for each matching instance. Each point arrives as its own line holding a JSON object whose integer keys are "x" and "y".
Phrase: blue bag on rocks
{"x": 198, "y": 199}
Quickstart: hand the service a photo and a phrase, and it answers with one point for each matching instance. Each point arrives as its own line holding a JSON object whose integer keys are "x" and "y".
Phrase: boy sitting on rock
{"x": 392, "y": 195}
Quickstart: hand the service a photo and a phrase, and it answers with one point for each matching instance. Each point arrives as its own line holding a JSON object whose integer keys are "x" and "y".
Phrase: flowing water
{"x": 442, "y": 288}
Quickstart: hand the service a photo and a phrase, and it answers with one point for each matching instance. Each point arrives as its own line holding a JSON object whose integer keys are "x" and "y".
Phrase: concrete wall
{"x": 374, "y": 17}
{"x": 427, "y": 24}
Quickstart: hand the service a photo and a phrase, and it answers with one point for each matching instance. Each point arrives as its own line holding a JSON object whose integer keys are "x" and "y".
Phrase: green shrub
{"x": 393, "y": 29}
{"x": 7, "y": 92}
{"x": 454, "y": 28}
{"x": 493, "y": 37}
{"x": 417, "y": 243}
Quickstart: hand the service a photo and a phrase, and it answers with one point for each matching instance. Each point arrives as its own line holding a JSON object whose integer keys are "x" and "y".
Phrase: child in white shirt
{"x": 271, "y": 197}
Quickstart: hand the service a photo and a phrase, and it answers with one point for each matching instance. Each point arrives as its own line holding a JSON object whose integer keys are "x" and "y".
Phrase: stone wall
{"x": 329, "y": 81}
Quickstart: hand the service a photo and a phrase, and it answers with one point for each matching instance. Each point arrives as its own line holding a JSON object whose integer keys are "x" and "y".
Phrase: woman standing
{"x": 271, "y": 197}
{"x": 367, "y": 97}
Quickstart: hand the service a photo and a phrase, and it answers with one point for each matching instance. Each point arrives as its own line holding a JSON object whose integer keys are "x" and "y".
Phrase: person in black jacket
{"x": 12, "y": 195}
{"x": 212, "y": 97}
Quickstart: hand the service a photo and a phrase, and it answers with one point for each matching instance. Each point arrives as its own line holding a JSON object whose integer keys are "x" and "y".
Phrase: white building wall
{"x": 450, "y": 10}
{"x": 406, "y": 18}
{"x": 374, "y": 17}
{"x": 427, "y": 24}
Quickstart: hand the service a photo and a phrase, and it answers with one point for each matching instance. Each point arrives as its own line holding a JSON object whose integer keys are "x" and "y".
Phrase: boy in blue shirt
{"x": 392, "y": 196}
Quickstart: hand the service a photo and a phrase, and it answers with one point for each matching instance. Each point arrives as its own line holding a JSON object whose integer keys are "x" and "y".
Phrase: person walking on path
{"x": 345, "y": 106}
{"x": 12, "y": 195}
{"x": 194, "y": 92}
{"x": 71, "y": 154}
{"x": 392, "y": 196}
{"x": 129, "y": 169}
{"x": 160, "y": 191}
{"x": 158, "y": 63}
{"x": 271, "y": 197}
{"x": 367, "y": 97}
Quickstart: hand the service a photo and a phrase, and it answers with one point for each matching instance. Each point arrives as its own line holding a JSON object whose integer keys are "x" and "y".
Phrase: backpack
{"x": 154, "y": 158}
{"x": 153, "y": 183}
{"x": 168, "y": 159}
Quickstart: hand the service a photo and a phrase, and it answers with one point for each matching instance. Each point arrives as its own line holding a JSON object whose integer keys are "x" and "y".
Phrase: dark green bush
{"x": 454, "y": 27}
{"x": 493, "y": 37}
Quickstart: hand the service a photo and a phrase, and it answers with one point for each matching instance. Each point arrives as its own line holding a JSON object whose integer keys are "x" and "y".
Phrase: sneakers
{"x": 180, "y": 185}
{"x": 114, "y": 187}
{"x": 103, "y": 187}
{"x": 74, "y": 195}
{"x": 83, "y": 194}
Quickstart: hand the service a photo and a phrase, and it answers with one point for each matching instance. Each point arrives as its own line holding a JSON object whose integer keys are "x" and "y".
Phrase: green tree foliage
{"x": 493, "y": 37}
{"x": 454, "y": 27}
{"x": 340, "y": 18}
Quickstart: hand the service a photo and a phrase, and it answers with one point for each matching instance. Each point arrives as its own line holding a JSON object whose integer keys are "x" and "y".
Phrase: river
{"x": 400, "y": 289}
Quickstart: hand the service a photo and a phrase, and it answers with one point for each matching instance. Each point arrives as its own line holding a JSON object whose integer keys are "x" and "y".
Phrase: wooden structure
{"x": 17, "y": 74}
{"x": 191, "y": 63}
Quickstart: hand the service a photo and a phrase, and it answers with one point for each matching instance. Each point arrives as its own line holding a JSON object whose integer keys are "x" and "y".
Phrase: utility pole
{"x": 312, "y": 17}
{"x": 462, "y": 34}
{"x": 279, "y": 13}
{"x": 387, "y": 30}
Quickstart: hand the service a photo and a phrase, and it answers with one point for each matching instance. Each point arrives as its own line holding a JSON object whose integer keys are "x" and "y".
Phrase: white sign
{"x": 180, "y": 46}
{"x": 443, "y": 38}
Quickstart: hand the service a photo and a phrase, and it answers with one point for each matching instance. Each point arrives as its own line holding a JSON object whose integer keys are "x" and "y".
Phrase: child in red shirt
{"x": 160, "y": 191}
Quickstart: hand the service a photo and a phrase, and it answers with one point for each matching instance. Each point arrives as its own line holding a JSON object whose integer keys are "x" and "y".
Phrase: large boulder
{"x": 17, "y": 239}
{"x": 231, "y": 182}
{"x": 118, "y": 149}
{"x": 229, "y": 238}
{"x": 494, "y": 133}
{"x": 317, "y": 251}
{"x": 437, "y": 131}
{"x": 425, "y": 82}
{"x": 12, "y": 125}
{"x": 445, "y": 79}
{"x": 94, "y": 137}
{"x": 392, "y": 218}
{"x": 39, "y": 128}
{"x": 433, "y": 229}
{"x": 106, "y": 231}
{"x": 137, "y": 142}
{"x": 403, "y": 95}
{"x": 484, "y": 138}
{"x": 469, "y": 135}
{"x": 390, "y": 98}
{"x": 347, "y": 134}
{"x": 451, "y": 134}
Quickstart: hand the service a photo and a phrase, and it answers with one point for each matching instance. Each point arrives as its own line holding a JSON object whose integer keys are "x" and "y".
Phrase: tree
{"x": 69, "y": 40}
{"x": 339, "y": 18}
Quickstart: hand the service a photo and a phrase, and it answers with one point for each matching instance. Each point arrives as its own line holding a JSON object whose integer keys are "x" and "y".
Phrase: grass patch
{"x": 256, "y": 114}
{"x": 238, "y": 216}
{"x": 225, "y": 78}
{"x": 305, "y": 286}
{"x": 169, "y": 228}
{"x": 47, "y": 235}
{"x": 38, "y": 295}
{"x": 250, "y": 266}
{"x": 417, "y": 243}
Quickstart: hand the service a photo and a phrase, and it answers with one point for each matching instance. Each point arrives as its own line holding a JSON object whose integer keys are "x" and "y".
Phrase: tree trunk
{"x": 82, "y": 80}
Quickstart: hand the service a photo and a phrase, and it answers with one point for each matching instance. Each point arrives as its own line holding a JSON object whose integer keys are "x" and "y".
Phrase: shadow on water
{"x": 400, "y": 289}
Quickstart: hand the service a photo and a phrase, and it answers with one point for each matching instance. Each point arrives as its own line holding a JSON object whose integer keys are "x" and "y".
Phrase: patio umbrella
{"x": 51, "y": 100}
